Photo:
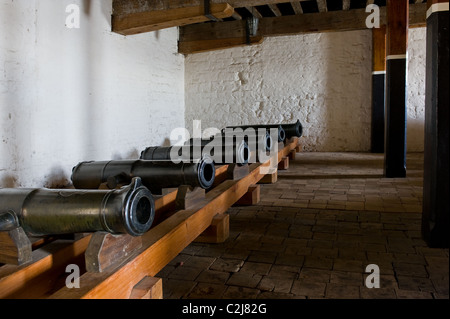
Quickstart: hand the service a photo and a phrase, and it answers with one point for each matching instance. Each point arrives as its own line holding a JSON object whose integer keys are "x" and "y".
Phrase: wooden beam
{"x": 379, "y": 49}
{"x": 346, "y": 4}
{"x": 322, "y": 5}
{"x": 124, "y": 7}
{"x": 190, "y": 47}
{"x": 147, "y": 21}
{"x": 297, "y": 6}
{"x": 275, "y": 10}
{"x": 309, "y": 23}
{"x": 397, "y": 27}
{"x": 254, "y": 12}
{"x": 236, "y": 16}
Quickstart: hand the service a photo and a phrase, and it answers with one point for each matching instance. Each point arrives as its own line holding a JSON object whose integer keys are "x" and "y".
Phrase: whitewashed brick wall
{"x": 322, "y": 79}
{"x": 70, "y": 95}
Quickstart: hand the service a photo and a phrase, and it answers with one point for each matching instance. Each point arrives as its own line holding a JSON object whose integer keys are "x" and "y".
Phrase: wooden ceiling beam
{"x": 285, "y": 25}
{"x": 345, "y": 4}
{"x": 124, "y": 7}
{"x": 147, "y": 21}
{"x": 254, "y": 12}
{"x": 322, "y": 5}
{"x": 190, "y": 47}
{"x": 275, "y": 10}
{"x": 236, "y": 16}
{"x": 297, "y": 6}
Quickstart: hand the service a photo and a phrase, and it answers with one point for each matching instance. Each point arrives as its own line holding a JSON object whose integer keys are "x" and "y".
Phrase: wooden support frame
{"x": 284, "y": 164}
{"x": 44, "y": 276}
{"x": 107, "y": 250}
{"x": 252, "y": 197}
{"x": 15, "y": 247}
{"x": 148, "y": 288}
{"x": 217, "y": 232}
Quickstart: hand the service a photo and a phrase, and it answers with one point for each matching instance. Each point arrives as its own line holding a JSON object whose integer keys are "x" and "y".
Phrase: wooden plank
{"x": 297, "y": 7}
{"x": 275, "y": 10}
{"x": 190, "y": 47}
{"x": 123, "y": 7}
{"x": 397, "y": 27}
{"x": 346, "y": 4}
{"x": 147, "y": 21}
{"x": 331, "y": 21}
{"x": 38, "y": 278}
{"x": 236, "y": 16}
{"x": 379, "y": 48}
{"x": 254, "y": 12}
{"x": 322, "y": 5}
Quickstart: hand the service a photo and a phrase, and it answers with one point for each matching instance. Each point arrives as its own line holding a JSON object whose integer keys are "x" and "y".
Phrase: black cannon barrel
{"x": 293, "y": 130}
{"x": 228, "y": 153}
{"x": 281, "y": 136}
{"x": 254, "y": 140}
{"x": 155, "y": 175}
{"x": 40, "y": 212}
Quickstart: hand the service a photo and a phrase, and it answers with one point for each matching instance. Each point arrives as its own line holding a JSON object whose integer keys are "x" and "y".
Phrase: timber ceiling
{"x": 267, "y": 9}
{"x": 226, "y": 26}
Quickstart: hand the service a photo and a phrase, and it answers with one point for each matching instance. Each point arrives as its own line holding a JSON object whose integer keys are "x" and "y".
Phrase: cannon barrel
{"x": 254, "y": 140}
{"x": 238, "y": 153}
{"x": 155, "y": 175}
{"x": 281, "y": 136}
{"x": 40, "y": 212}
{"x": 293, "y": 130}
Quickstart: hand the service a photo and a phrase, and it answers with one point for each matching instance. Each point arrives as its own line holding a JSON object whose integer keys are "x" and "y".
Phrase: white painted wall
{"x": 322, "y": 79}
{"x": 69, "y": 95}
{"x": 416, "y": 89}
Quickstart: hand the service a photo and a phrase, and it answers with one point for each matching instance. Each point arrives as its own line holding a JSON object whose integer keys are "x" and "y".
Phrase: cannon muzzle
{"x": 40, "y": 212}
{"x": 293, "y": 130}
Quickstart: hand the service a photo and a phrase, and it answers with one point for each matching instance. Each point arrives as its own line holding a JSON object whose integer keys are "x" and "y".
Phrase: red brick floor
{"x": 313, "y": 234}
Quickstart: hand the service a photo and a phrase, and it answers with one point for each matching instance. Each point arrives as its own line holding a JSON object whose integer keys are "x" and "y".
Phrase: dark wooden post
{"x": 396, "y": 44}
{"x": 436, "y": 209}
{"x": 378, "y": 85}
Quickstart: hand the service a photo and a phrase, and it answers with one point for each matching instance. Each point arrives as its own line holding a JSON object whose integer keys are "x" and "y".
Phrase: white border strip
{"x": 378, "y": 72}
{"x": 437, "y": 7}
{"x": 396, "y": 57}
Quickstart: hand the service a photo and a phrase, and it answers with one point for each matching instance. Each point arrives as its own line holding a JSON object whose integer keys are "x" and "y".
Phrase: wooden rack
{"x": 121, "y": 266}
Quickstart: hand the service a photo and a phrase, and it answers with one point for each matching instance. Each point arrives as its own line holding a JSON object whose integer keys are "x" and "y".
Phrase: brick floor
{"x": 313, "y": 234}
